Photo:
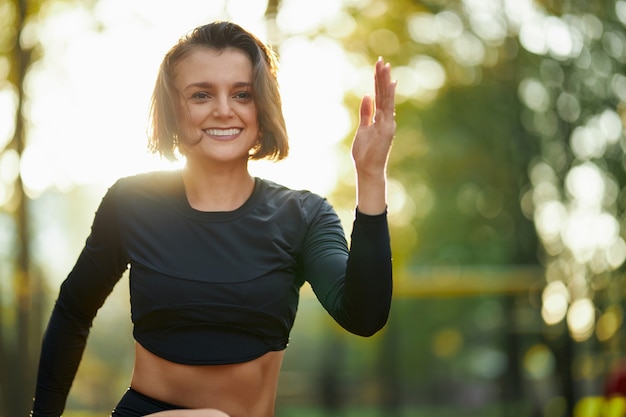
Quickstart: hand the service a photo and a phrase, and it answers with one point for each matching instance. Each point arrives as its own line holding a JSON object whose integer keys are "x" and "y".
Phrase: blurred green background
{"x": 506, "y": 197}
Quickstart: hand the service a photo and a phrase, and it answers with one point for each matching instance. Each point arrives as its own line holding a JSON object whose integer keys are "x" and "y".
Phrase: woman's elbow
{"x": 369, "y": 328}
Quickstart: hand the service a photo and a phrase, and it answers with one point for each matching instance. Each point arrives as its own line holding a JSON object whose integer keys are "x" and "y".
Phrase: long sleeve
{"x": 98, "y": 268}
{"x": 368, "y": 287}
{"x": 354, "y": 286}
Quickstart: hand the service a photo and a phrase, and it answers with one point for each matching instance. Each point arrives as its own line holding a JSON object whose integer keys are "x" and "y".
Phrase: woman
{"x": 217, "y": 257}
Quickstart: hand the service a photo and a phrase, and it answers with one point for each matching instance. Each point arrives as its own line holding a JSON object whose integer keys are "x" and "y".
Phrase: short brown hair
{"x": 163, "y": 131}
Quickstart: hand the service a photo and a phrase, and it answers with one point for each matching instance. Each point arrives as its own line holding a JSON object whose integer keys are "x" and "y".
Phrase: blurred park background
{"x": 507, "y": 191}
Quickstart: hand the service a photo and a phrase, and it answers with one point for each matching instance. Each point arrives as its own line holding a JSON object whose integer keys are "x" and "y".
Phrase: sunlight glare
{"x": 246, "y": 12}
{"x": 303, "y": 16}
{"x": 91, "y": 91}
{"x": 170, "y": 20}
{"x": 316, "y": 118}
{"x": 340, "y": 25}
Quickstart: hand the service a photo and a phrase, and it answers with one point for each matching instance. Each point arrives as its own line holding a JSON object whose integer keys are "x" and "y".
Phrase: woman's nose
{"x": 222, "y": 107}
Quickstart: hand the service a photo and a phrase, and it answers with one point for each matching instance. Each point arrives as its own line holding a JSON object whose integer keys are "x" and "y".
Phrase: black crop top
{"x": 214, "y": 287}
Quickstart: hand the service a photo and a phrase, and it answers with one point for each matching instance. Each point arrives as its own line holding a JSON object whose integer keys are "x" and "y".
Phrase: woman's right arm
{"x": 98, "y": 268}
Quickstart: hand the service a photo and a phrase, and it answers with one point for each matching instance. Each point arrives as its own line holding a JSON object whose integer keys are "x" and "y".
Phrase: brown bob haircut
{"x": 163, "y": 136}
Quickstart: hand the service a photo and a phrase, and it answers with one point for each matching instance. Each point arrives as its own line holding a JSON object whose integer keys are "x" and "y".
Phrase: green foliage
{"x": 460, "y": 153}
{"x": 474, "y": 169}
{"x": 510, "y": 147}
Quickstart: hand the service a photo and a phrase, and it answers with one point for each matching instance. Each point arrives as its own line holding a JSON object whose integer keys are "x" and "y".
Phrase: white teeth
{"x": 222, "y": 132}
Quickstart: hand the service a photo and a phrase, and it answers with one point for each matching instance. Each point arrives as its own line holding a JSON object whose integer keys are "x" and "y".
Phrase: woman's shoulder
{"x": 308, "y": 202}
{"x": 276, "y": 190}
{"x": 147, "y": 186}
{"x": 157, "y": 181}
{"x": 150, "y": 179}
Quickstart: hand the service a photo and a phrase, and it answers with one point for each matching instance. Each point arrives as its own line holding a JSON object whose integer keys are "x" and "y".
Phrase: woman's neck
{"x": 216, "y": 190}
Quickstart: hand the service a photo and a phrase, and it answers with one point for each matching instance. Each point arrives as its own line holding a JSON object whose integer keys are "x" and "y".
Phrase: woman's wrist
{"x": 372, "y": 195}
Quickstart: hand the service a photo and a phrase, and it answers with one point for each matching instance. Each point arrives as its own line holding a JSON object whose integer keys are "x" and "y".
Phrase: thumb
{"x": 366, "y": 111}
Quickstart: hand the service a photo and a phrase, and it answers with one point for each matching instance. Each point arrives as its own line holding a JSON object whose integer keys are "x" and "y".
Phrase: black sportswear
{"x": 214, "y": 287}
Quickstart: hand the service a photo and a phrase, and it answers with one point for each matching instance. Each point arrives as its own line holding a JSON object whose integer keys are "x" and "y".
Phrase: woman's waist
{"x": 247, "y": 388}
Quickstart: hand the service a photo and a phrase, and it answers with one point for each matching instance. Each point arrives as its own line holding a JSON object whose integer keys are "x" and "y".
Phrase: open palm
{"x": 372, "y": 141}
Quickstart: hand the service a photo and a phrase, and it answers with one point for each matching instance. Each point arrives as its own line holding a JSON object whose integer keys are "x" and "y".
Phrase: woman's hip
{"x": 136, "y": 404}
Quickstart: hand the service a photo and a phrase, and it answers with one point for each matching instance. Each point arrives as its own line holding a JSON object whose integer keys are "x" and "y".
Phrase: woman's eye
{"x": 243, "y": 95}
{"x": 200, "y": 96}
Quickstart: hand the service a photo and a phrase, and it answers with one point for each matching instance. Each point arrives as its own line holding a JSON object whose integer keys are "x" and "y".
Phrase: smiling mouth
{"x": 223, "y": 132}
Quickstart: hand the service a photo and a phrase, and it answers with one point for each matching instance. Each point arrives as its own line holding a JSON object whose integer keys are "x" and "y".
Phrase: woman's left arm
{"x": 372, "y": 142}
{"x": 356, "y": 287}
{"x": 368, "y": 284}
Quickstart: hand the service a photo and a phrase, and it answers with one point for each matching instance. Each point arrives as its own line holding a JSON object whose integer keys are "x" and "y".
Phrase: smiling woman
{"x": 217, "y": 256}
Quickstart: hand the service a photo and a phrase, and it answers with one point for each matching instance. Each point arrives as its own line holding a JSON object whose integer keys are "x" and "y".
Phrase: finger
{"x": 366, "y": 111}
{"x": 384, "y": 87}
{"x": 381, "y": 78}
{"x": 377, "y": 75}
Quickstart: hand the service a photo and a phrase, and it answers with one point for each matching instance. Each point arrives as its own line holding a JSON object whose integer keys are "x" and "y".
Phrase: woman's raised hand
{"x": 372, "y": 141}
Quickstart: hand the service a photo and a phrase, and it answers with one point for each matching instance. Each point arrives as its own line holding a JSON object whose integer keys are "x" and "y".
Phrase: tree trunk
{"x": 18, "y": 352}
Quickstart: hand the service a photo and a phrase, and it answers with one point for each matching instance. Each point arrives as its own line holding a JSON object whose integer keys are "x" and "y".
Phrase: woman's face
{"x": 216, "y": 112}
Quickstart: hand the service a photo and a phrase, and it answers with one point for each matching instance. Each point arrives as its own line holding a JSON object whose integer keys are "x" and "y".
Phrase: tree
{"x": 21, "y": 307}
{"x": 17, "y": 347}
{"x": 510, "y": 146}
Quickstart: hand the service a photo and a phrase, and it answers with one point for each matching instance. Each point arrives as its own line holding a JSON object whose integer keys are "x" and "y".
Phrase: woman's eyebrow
{"x": 205, "y": 84}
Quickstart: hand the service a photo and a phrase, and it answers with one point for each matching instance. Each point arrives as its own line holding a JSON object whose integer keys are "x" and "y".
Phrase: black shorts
{"x": 135, "y": 404}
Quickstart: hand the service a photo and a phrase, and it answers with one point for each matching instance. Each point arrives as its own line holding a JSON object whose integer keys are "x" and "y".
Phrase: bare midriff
{"x": 241, "y": 389}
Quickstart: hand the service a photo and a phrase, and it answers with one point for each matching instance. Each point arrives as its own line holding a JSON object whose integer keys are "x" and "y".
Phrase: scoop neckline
{"x": 215, "y": 216}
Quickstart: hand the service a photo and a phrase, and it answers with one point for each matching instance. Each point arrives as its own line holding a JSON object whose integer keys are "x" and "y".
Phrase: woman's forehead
{"x": 208, "y": 62}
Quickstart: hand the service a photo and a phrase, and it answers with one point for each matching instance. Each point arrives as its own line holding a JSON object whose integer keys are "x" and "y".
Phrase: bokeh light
{"x": 555, "y": 301}
{"x": 609, "y": 323}
{"x": 447, "y": 343}
{"x": 538, "y": 362}
{"x": 581, "y": 319}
